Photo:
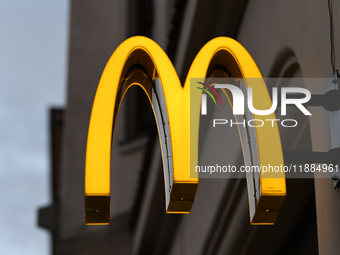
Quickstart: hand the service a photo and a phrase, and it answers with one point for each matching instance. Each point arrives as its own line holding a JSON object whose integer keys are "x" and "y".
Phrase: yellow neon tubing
{"x": 97, "y": 174}
{"x": 272, "y": 185}
{"x": 177, "y": 101}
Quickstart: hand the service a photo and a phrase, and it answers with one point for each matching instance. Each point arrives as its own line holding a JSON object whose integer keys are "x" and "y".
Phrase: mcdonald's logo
{"x": 140, "y": 61}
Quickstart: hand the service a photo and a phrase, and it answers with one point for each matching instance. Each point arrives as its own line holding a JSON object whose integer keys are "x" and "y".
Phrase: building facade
{"x": 287, "y": 39}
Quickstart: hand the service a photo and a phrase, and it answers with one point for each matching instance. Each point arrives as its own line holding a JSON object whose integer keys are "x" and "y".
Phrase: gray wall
{"x": 279, "y": 35}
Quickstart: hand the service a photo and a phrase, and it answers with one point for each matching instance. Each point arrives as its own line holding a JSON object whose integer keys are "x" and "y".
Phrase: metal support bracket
{"x": 336, "y": 180}
{"x": 335, "y": 120}
{"x": 310, "y": 157}
{"x": 330, "y": 101}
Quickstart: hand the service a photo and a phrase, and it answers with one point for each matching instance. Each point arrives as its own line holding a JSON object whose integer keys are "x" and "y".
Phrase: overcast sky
{"x": 33, "y": 62}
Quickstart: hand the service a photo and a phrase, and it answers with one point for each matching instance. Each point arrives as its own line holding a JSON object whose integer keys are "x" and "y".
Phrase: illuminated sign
{"x": 140, "y": 61}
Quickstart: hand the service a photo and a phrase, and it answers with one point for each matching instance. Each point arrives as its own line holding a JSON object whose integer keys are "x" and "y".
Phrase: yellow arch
{"x": 139, "y": 61}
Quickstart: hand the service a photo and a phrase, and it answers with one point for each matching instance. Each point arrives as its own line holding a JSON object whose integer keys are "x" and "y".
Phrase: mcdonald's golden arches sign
{"x": 140, "y": 61}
